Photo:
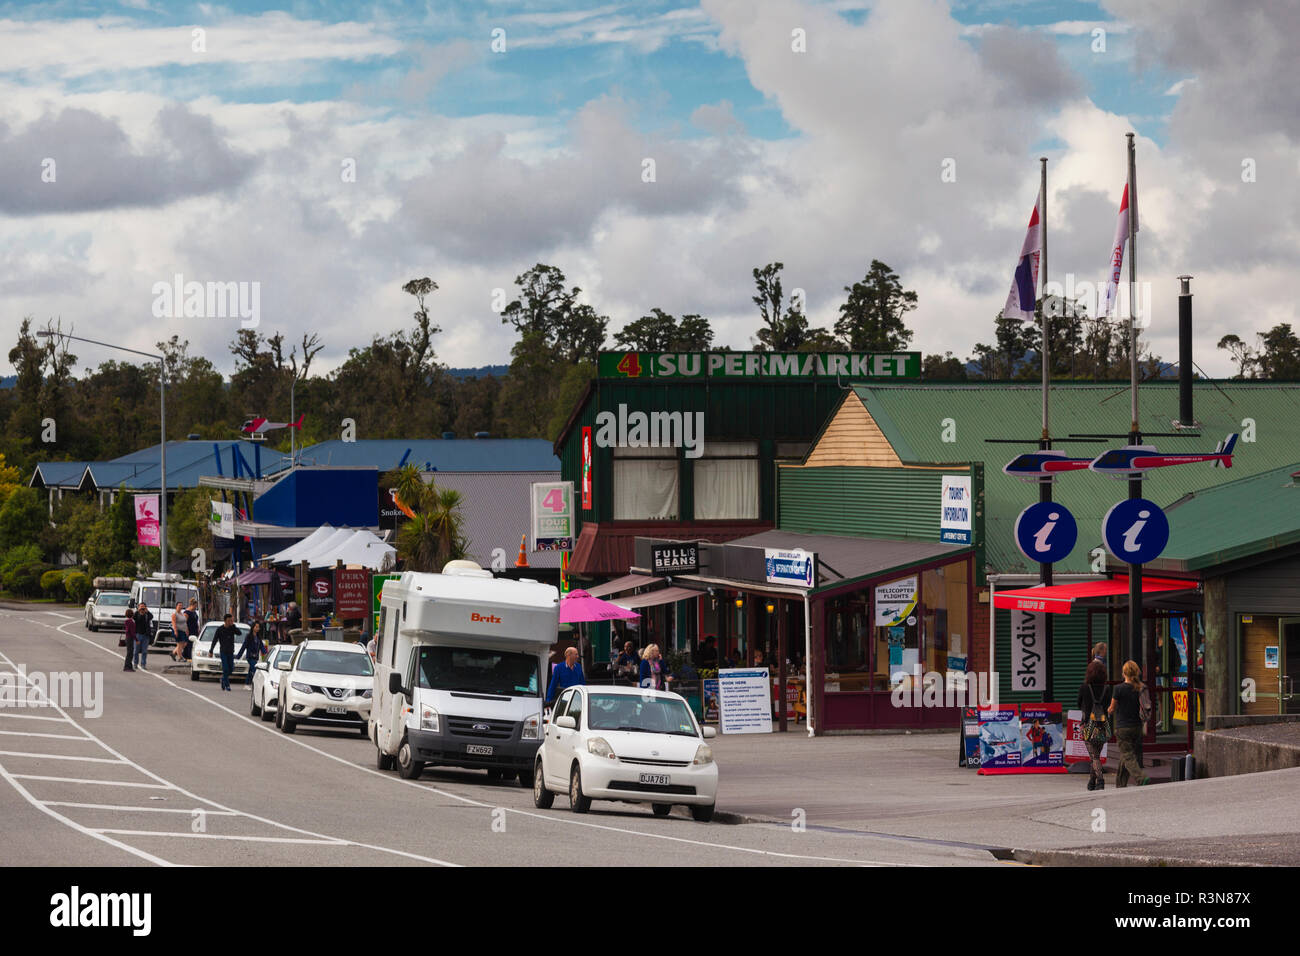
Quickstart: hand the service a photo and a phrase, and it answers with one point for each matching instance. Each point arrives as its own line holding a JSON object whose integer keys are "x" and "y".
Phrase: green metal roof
{"x": 914, "y": 418}
{"x": 1234, "y": 520}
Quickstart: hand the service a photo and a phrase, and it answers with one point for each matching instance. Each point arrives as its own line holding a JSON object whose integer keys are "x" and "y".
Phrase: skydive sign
{"x": 755, "y": 365}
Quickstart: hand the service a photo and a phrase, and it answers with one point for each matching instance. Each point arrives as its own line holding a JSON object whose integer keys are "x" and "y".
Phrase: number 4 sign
{"x": 552, "y": 515}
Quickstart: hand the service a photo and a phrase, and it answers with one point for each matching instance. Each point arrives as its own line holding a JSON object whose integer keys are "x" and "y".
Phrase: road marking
{"x": 122, "y": 807}
{"x": 105, "y": 783}
{"x": 327, "y": 841}
{"x": 160, "y": 785}
{"x": 21, "y": 733}
{"x": 564, "y": 821}
{"x": 19, "y": 753}
{"x": 4, "y": 713}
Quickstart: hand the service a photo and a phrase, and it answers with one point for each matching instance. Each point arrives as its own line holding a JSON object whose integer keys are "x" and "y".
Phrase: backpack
{"x": 1096, "y": 725}
{"x": 1148, "y": 709}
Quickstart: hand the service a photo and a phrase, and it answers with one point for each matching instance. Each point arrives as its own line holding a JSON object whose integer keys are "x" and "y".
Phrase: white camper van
{"x": 461, "y": 671}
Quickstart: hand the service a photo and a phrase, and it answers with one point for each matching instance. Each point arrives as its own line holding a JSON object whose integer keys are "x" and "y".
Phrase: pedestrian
{"x": 179, "y": 629}
{"x": 709, "y": 652}
{"x": 191, "y": 627}
{"x": 225, "y": 635}
{"x": 628, "y": 663}
{"x": 128, "y": 638}
{"x": 1094, "y": 702}
{"x": 1126, "y": 706}
{"x": 654, "y": 669}
{"x": 1099, "y": 653}
{"x": 372, "y": 646}
{"x": 568, "y": 674}
{"x": 143, "y": 635}
{"x": 294, "y": 617}
{"x": 251, "y": 650}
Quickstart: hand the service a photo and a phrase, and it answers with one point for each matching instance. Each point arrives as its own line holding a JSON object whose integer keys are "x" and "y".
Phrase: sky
{"x": 656, "y": 153}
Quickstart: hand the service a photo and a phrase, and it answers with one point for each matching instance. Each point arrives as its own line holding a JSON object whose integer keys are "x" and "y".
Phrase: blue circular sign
{"x": 1046, "y": 532}
{"x": 1135, "y": 530}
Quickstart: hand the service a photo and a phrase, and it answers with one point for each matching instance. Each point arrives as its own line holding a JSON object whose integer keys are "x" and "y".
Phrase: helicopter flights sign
{"x": 895, "y": 602}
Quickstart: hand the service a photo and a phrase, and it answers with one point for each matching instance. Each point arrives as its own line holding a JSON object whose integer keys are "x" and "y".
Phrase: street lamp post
{"x": 162, "y": 416}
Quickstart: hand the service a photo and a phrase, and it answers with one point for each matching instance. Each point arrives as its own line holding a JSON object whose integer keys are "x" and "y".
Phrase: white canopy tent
{"x": 332, "y": 540}
{"x": 305, "y": 546}
{"x": 361, "y": 548}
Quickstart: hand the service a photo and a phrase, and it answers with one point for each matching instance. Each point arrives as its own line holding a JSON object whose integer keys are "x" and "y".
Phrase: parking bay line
{"x": 527, "y": 813}
{"x": 19, "y": 753}
{"x": 124, "y": 808}
{"x": 23, "y": 733}
{"x": 325, "y": 841}
{"x": 105, "y": 783}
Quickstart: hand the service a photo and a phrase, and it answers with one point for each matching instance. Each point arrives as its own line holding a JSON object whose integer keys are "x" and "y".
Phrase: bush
{"x": 52, "y": 584}
{"x": 25, "y": 579}
{"x": 14, "y": 558}
{"x": 123, "y": 569}
{"x": 77, "y": 586}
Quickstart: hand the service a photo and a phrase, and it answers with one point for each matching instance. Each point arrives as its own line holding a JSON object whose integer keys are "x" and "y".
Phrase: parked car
{"x": 327, "y": 683}
{"x": 107, "y": 609}
{"x": 264, "y": 692}
{"x": 626, "y": 743}
{"x": 206, "y": 659}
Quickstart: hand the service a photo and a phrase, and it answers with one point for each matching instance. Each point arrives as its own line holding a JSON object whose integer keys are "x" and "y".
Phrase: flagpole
{"x": 1134, "y": 649}
{"x": 1045, "y": 356}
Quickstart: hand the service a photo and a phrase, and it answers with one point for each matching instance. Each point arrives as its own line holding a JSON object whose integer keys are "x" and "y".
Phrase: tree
{"x": 570, "y": 331}
{"x": 781, "y": 332}
{"x": 22, "y": 518}
{"x": 74, "y": 518}
{"x": 187, "y": 521}
{"x": 871, "y": 319}
{"x": 1279, "y": 354}
{"x": 943, "y": 368}
{"x": 661, "y": 332}
{"x": 1245, "y": 357}
{"x": 435, "y": 534}
{"x": 1001, "y": 359}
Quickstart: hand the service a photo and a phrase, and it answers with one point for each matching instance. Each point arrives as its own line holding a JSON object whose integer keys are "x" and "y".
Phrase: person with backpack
{"x": 1131, "y": 705}
{"x": 1094, "y": 702}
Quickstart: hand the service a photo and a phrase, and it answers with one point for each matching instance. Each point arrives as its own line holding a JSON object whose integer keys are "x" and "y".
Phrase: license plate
{"x": 335, "y": 709}
{"x": 657, "y": 779}
{"x": 480, "y": 749}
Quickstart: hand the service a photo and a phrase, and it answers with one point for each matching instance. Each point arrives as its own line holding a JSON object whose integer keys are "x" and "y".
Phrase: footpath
{"x": 910, "y": 787}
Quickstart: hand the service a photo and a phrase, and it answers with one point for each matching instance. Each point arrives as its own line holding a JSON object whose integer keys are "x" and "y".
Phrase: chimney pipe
{"x": 1185, "y": 418}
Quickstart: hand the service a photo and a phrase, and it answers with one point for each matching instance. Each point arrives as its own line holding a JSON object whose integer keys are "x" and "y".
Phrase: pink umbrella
{"x": 578, "y": 606}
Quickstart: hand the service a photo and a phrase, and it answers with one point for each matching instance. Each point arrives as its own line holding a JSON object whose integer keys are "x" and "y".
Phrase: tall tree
{"x": 1279, "y": 354}
{"x": 570, "y": 330}
{"x": 782, "y": 331}
{"x": 871, "y": 318}
{"x": 661, "y": 332}
{"x": 1245, "y": 357}
{"x": 435, "y": 535}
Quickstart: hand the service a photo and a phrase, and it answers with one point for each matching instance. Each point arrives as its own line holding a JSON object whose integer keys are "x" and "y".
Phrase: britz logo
{"x": 485, "y": 618}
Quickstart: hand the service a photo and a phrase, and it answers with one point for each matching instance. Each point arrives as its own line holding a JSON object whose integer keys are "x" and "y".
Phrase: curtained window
{"x": 726, "y": 481}
{"x": 645, "y": 484}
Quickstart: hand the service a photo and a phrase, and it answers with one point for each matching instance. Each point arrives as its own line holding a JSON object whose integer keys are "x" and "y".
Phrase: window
{"x": 383, "y": 635}
{"x": 473, "y": 670}
{"x": 575, "y": 709}
{"x": 726, "y": 481}
{"x": 645, "y": 484}
{"x": 562, "y": 705}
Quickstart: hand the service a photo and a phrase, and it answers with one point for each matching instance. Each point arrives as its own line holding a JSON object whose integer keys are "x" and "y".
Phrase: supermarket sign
{"x": 856, "y": 366}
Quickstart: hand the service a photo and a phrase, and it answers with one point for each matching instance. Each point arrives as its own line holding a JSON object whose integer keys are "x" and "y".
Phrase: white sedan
{"x": 628, "y": 744}
{"x": 205, "y": 662}
{"x": 264, "y": 692}
{"x": 328, "y": 683}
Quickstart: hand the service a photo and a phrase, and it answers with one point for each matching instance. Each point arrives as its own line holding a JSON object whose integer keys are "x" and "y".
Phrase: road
{"x": 173, "y": 772}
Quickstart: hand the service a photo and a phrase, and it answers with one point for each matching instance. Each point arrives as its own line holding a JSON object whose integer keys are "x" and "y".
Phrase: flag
{"x": 146, "y": 520}
{"x": 1111, "y": 296}
{"x": 1024, "y": 282}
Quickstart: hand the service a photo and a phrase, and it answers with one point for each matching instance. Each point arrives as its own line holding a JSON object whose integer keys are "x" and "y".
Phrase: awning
{"x": 1059, "y": 599}
{"x": 655, "y": 598}
{"x": 626, "y": 583}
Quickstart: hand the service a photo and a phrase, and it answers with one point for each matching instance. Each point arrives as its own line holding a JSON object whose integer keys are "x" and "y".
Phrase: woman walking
{"x": 654, "y": 669}
{"x": 1094, "y": 701}
{"x": 1126, "y": 705}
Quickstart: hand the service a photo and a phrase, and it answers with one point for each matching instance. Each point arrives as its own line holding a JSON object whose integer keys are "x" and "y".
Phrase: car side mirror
{"x": 285, "y": 666}
{"x": 394, "y": 683}
{"x": 566, "y": 721}
{"x": 262, "y": 666}
{"x": 131, "y": 604}
{"x": 709, "y": 733}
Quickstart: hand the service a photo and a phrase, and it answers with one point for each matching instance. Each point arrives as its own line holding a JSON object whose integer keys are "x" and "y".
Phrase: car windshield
{"x": 209, "y": 633}
{"x": 322, "y": 661}
{"x": 167, "y": 595}
{"x": 114, "y": 600}
{"x": 653, "y": 715}
{"x": 281, "y": 654}
{"x": 477, "y": 671}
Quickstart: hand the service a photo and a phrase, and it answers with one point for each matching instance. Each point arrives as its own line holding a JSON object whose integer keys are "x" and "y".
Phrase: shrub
{"x": 25, "y": 579}
{"x": 14, "y": 558}
{"x": 52, "y": 584}
{"x": 77, "y": 586}
{"x": 123, "y": 569}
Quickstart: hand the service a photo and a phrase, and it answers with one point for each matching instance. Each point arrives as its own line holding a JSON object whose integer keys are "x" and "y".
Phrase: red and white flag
{"x": 146, "y": 520}
{"x": 1110, "y": 298}
{"x": 1024, "y": 282}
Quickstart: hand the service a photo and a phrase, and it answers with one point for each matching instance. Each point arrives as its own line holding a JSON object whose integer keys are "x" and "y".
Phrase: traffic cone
{"x": 522, "y": 560}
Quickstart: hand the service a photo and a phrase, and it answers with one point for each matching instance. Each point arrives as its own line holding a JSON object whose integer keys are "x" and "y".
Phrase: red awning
{"x": 1059, "y": 598}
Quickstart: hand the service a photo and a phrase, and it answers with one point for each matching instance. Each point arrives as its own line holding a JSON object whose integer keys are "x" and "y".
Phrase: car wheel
{"x": 494, "y": 775}
{"x": 578, "y": 802}
{"x": 383, "y": 761}
{"x": 364, "y": 731}
{"x": 661, "y": 809}
{"x": 279, "y": 714}
{"x": 252, "y": 704}
{"x": 526, "y": 779}
{"x": 702, "y": 814}
{"x": 92, "y": 627}
{"x": 288, "y": 724}
{"x": 407, "y": 766}
{"x": 267, "y": 715}
{"x": 508, "y": 774}
{"x": 542, "y": 798}
{"x": 194, "y": 675}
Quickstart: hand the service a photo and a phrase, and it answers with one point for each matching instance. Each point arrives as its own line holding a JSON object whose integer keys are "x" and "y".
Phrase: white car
{"x": 107, "y": 609}
{"x": 264, "y": 692}
{"x": 328, "y": 683}
{"x": 206, "y": 659}
{"x": 629, "y": 744}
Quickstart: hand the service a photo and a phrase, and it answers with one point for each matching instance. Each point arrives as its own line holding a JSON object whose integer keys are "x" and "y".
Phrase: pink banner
{"x": 146, "y": 520}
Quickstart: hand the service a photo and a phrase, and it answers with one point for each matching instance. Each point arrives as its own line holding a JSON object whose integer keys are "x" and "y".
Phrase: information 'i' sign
{"x": 1046, "y": 532}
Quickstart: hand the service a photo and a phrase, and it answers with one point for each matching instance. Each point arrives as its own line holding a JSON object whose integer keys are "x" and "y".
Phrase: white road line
{"x": 329, "y": 841}
{"x": 19, "y": 753}
{"x": 103, "y": 783}
{"x": 165, "y": 785}
{"x": 122, "y": 807}
{"x": 4, "y": 713}
{"x": 22, "y": 733}
{"x": 563, "y": 821}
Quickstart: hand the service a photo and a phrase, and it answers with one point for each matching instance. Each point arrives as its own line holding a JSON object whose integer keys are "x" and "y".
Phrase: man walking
{"x": 225, "y": 636}
{"x": 143, "y": 634}
{"x": 192, "y": 627}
